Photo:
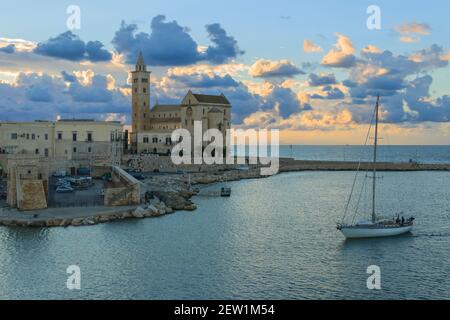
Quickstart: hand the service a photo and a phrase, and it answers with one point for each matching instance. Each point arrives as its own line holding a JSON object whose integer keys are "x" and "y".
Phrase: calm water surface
{"x": 388, "y": 153}
{"x": 274, "y": 238}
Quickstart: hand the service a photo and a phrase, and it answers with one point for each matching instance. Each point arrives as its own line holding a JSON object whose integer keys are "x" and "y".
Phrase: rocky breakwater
{"x": 232, "y": 175}
{"x": 160, "y": 204}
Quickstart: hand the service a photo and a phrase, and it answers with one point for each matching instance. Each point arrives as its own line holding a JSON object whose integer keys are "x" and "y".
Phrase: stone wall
{"x": 150, "y": 163}
{"x": 32, "y": 195}
{"x": 123, "y": 190}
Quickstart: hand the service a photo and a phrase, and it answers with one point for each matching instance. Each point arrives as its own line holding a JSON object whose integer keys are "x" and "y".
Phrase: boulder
{"x": 88, "y": 222}
{"x": 65, "y": 223}
{"x": 139, "y": 213}
{"x": 190, "y": 207}
{"x": 53, "y": 223}
{"x": 77, "y": 222}
{"x": 169, "y": 210}
{"x": 173, "y": 199}
{"x": 103, "y": 219}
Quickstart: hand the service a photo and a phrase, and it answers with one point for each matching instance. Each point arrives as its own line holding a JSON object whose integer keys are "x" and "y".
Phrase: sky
{"x": 311, "y": 69}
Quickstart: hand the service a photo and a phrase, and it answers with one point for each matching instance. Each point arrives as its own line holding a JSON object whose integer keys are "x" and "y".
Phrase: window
{"x": 155, "y": 140}
{"x": 144, "y": 80}
{"x": 74, "y": 150}
{"x": 36, "y": 151}
{"x": 135, "y": 80}
{"x": 89, "y": 149}
{"x": 89, "y": 136}
{"x": 14, "y": 136}
{"x": 168, "y": 140}
{"x": 74, "y": 136}
{"x": 46, "y": 136}
{"x": 33, "y": 136}
{"x": 28, "y": 136}
{"x": 145, "y": 90}
{"x": 46, "y": 152}
{"x": 60, "y": 136}
{"x": 145, "y": 140}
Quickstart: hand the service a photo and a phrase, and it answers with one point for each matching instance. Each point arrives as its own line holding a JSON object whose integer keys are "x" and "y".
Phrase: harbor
{"x": 174, "y": 191}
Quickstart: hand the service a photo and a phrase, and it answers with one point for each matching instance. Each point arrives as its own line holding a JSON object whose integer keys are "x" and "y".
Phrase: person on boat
{"x": 397, "y": 220}
{"x": 403, "y": 220}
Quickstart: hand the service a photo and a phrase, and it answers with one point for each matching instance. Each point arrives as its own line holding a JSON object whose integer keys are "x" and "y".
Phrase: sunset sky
{"x": 309, "y": 68}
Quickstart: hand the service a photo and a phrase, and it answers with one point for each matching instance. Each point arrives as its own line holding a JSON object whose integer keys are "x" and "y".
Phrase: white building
{"x": 64, "y": 139}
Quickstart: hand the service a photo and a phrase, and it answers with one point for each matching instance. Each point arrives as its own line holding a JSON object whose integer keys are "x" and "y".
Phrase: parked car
{"x": 60, "y": 174}
{"x": 64, "y": 189}
{"x": 62, "y": 184}
{"x": 84, "y": 171}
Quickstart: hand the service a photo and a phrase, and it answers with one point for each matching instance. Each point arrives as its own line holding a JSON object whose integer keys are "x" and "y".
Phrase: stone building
{"x": 152, "y": 127}
{"x": 76, "y": 140}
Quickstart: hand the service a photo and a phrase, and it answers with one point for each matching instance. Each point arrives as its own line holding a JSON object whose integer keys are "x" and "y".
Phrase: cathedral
{"x": 152, "y": 127}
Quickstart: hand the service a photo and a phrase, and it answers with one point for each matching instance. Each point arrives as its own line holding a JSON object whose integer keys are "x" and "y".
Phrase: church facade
{"x": 152, "y": 127}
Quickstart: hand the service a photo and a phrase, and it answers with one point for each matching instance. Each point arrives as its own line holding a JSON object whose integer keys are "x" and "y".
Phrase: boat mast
{"x": 375, "y": 161}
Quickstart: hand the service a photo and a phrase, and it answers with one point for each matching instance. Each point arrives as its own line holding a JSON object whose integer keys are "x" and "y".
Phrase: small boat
{"x": 225, "y": 192}
{"x": 376, "y": 227}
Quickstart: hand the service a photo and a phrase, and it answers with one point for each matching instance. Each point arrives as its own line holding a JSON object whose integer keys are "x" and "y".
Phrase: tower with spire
{"x": 140, "y": 99}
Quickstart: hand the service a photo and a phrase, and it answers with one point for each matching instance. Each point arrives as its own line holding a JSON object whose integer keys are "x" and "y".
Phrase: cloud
{"x": 94, "y": 93}
{"x": 412, "y": 31}
{"x": 10, "y": 48}
{"x": 169, "y": 44}
{"x": 68, "y": 77}
{"x": 69, "y": 46}
{"x": 341, "y": 56}
{"x": 274, "y": 69}
{"x": 37, "y": 88}
{"x": 329, "y": 93}
{"x": 311, "y": 47}
{"x": 20, "y": 45}
{"x": 225, "y": 46}
{"x": 370, "y": 49}
{"x": 205, "y": 81}
{"x": 413, "y": 28}
{"x": 407, "y": 39}
{"x": 96, "y": 53}
{"x": 321, "y": 80}
{"x": 41, "y": 96}
{"x": 403, "y": 84}
{"x": 284, "y": 101}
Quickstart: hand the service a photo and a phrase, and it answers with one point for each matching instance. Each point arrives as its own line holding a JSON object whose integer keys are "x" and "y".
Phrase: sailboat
{"x": 377, "y": 227}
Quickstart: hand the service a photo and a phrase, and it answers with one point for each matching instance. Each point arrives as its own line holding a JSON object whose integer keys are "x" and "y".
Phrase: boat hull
{"x": 373, "y": 232}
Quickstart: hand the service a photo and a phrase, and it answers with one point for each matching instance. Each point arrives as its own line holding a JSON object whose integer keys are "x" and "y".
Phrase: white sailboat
{"x": 376, "y": 227}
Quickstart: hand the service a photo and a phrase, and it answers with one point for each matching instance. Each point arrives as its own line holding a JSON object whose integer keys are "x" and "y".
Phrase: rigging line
{"x": 357, "y": 170}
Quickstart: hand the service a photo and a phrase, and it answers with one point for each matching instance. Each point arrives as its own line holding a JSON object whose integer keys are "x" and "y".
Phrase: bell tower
{"x": 140, "y": 99}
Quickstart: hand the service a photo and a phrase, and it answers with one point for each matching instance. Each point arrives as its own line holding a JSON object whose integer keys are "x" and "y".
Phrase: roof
{"x": 215, "y": 110}
{"x": 166, "y": 108}
{"x": 140, "y": 60}
{"x": 206, "y": 98}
